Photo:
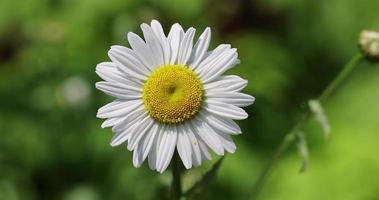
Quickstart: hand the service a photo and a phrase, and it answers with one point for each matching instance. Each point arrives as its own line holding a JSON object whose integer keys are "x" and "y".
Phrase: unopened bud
{"x": 369, "y": 43}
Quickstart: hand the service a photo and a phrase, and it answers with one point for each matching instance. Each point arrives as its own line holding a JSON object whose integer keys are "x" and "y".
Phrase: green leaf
{"x": 207, "y": 178}
{"x": 303, "y": 150}
{"x": 320, "y": 116}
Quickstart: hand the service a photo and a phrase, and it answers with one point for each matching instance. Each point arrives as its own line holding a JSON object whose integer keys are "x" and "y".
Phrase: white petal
{"x": 212, "y": 56}
{"x": 150, "y": 139}
{"x": 184, "y": 147}
{"x": 108, "y": 71}
{"x": 158, "y": 30}
{"x": 114, "y": 105}
{"x": 200, "y": 48}
{"x": 205, "y": 154}
{"x": 218, "y": 66}
{"x": 126, "y": 84}
{"x": 130, "y": 119}
{"x": 229, "y": 83}
{"x": 234, "y": 98}
{"x": 175, "y": 36}
{"x": 225, "y": 110}
{"x": 196, "y": 154}
{"x": 128, "y": 62}
{"x": 118, "y": 108}
{"x": 161, "y": 146}
{"x": 227, "y": 142}
{"x": 166, "y": 148}
{"x": 143, "y": 146}
{"x": 185, "y": 48}
{"x": 208, "y": 136}
{"x": 122, "y": 136}
{"x": 221, "y": 124}
{"x": 112, "y": 122}
{"x": 143, "y": 52}
{"x": 139, "y": 132}
{"x": 153, "y": 154}
{"x": 119, "y": 91}
{"x": 153, "y": 44}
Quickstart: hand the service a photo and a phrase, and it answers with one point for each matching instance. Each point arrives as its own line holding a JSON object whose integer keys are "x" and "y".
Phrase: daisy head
{"x": 171, "y": 95}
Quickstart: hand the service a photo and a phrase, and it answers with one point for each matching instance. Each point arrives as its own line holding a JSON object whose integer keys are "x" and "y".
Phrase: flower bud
{"x": 369, "y": 44}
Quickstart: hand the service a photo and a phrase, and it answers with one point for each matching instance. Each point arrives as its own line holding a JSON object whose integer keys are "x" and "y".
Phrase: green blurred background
{"x": 51, "y": 143}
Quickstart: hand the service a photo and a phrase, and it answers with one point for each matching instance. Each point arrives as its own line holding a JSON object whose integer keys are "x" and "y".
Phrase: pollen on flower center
{"x": 172, "y": 94}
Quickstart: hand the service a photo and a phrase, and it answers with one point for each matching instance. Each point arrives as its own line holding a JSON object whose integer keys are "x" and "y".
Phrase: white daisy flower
{"x": 171, "y": 94}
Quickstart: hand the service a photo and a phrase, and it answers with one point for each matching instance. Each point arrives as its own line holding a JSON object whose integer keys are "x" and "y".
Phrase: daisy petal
{"x": 122, "y": 136}
{"x": 234, "y": 98}
{"x": 128, "y": 62}
{"x": 144, "y": 146}
{"x": 126, "y": 84}
{"x": 227, "y": 142}
{"x": 142, "y": 51}
{"x": 208, "y": 136}
{"x": 119, "y": 91}
{"x": 196, "y": 154}
{"x": 166, "y": 149}
{"x": 184, "y": 147}
{"x": 108, "y": 71}
{"x": 153, "y": 44}
{"x": 186, "y": 47}
{"x": 152, "y": 156}
{"x": 219, "y": 65}
{"x": 212, "y": 56}
{"x": 132, "y": 117}
{"x": 174, "y": 37}
{"x": 158, "y": 30}
{"x": 200, "y": 48}
{"x": 150, "y": 137}
{"x": 139, "y": 132}
{"x": 225, "y": 110}
{"x": 229, "y": 83}
{"x": 221, "y": 124}
{"x": 137, "y": 154}
{"x": 112, "y": 122}
{"x": 118, "y": 108}
{"x": 205, "y": 155}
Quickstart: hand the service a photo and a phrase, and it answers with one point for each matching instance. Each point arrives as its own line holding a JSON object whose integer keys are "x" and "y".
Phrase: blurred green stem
{"x": 290, "y": 137}
{"x": 341, "y": 76}
{"x": 176, "y": 185}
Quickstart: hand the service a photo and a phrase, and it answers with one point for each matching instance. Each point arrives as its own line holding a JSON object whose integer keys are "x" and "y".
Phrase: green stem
{"x": 341, "y": 76}
{"x": 290, "y": 137}
{"x": 176, "y": 186}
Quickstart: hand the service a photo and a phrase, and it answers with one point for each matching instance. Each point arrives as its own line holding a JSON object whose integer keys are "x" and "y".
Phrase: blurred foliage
{"x": 52, "y": 146}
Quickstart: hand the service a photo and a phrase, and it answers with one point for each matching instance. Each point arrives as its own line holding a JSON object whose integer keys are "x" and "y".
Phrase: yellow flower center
{"x": 172, "y": 94}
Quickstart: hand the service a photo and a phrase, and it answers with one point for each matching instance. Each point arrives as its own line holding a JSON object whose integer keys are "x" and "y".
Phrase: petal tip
{"x": 114, "y": 144}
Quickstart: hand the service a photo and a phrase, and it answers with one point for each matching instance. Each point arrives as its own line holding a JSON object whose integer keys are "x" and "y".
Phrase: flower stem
{"x": 290, "y": 137}
{"x": 341, "y": 76}
{"x": 176, "y": 185}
